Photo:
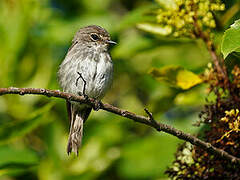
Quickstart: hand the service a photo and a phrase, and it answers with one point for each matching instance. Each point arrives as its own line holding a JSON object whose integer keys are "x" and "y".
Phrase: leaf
{"x": 155, "y": 28}
{"x": 15, "y": 130}
{"x": 15, "y": 161}
{"x": 176, "y": 76}
{"x": 168, "y": 4}
{"x": 231, "y": 39}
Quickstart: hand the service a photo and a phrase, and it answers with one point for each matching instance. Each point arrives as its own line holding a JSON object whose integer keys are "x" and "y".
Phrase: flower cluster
{"x": 182, "y": 15}
{"x": 184, "y": 158}
{"x": 233, "y": 119}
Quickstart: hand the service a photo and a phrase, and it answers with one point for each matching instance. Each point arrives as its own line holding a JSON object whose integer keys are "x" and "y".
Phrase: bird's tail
{"x": 78, "y": 117}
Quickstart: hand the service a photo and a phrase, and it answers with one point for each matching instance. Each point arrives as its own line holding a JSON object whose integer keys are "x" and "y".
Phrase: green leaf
{"x": 155, "y": 28}
{"x": 176, "y": 76}
{"x": 13, "y": 130}
{"x": 16, "y": 160}
{"x": 231, "y": 39}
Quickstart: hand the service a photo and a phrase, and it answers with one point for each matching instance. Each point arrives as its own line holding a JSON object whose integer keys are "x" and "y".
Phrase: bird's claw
{"x": 97, "y": 105}
{"x": 84, "y": 95}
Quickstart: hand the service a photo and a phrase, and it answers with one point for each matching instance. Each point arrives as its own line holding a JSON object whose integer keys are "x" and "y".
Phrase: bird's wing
{"x": 74, "y": 42}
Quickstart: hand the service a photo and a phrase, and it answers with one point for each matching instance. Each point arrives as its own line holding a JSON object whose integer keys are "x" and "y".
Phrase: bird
{"x": 87, "y": 69}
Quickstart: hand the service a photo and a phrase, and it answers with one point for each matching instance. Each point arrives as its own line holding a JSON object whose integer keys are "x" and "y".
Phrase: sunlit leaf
{"x": 231, "y": 39}
{"x": 155, "y": 28}
{"x": 176, "y": 76}
{"x": 168, "y": 4}
{"x": 15, "y": 130}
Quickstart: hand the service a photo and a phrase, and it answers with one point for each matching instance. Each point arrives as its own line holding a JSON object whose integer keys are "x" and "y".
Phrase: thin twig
{"x": 84, "y": 82}
{"x": 152, "y": 119}
{"x": 137, "y": 118}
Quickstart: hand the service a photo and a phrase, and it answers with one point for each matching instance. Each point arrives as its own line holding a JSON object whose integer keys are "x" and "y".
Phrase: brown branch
{"x": 137, "y": 118}
{"x": 217, "y": 61}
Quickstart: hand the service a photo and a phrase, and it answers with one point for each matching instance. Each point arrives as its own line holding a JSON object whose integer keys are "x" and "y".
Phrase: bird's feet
{"x": 97, "y": 104}
{"x": 84, "y": 95}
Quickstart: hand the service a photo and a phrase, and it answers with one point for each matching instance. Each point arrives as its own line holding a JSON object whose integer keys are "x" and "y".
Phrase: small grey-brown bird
{"x": 86, "y": 70}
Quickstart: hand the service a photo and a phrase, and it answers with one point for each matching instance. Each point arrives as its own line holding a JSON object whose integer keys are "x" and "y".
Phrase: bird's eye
{"x": 95, "y": 37}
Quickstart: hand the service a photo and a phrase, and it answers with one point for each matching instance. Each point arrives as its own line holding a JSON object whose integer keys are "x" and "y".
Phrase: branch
{"x": 217, "y": 61}
{"x": 137, "y": 118}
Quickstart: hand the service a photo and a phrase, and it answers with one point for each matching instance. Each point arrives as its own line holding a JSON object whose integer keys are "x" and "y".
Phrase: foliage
{"x": 231, "y": 39}
{"x": 35, "y": 36}
{"x": 11, "y": 131}
{"x": 221, "y": 117}
{"x": 176, "y": 76}
{"x": 178, "y": 17}
{"x": 195, "y": 19}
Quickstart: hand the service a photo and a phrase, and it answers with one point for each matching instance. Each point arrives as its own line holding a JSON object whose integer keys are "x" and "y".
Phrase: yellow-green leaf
{"x": 176, "y": 76}
{"x": 155, "y": 28}
{"x": 168, "y": 4}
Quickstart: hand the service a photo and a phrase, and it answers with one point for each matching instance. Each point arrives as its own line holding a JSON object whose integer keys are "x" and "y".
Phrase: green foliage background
{"x": 35, "y": 36}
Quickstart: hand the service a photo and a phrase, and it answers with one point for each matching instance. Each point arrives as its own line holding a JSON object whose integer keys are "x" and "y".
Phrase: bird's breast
{"x": 91, "y": 70}
{"x": 96, "y": 69}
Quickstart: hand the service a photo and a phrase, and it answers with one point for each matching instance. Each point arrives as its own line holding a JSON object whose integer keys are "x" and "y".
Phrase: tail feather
{"x": 75, "y": 135}
{"x": 78, "y": 117}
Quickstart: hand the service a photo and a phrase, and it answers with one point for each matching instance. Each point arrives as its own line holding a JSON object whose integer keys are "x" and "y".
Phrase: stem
{"x": 218, "y": 62}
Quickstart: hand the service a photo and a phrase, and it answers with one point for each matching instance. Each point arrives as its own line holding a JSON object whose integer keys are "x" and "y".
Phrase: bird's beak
{"x": 111, "y": 42}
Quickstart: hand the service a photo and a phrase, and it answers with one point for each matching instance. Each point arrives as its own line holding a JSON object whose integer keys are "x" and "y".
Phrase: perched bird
{"x": 86, "y": 70}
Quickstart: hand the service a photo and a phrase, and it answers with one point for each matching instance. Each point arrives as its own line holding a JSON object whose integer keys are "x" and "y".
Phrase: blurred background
{"x": 34, "y": 38}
